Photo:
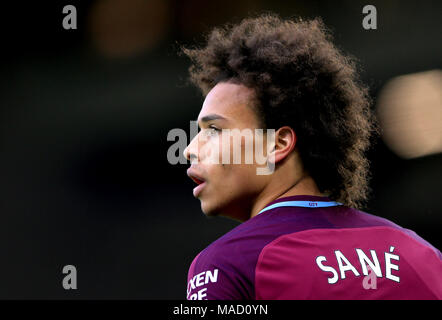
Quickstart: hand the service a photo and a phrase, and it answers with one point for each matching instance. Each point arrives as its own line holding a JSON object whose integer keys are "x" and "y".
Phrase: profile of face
{"x": 224, "y": 186}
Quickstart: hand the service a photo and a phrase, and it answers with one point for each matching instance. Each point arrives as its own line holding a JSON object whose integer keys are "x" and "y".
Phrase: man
{"x": 302, "y": 236}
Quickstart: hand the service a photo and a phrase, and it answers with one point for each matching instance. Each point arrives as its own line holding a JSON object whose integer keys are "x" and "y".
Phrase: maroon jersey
{"x": 309, "y": 247}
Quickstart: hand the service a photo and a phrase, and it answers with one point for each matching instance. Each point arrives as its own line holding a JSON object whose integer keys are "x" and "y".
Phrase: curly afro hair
{"x": 303, "y": 81}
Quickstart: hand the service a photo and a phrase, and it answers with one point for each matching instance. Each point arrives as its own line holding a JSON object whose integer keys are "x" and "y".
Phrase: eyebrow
{"x": 213, "y": 116}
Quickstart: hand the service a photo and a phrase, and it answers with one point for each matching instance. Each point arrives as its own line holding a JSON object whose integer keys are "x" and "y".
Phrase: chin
{"x": 209, "y": 210}
{"x": 217, "y": 211}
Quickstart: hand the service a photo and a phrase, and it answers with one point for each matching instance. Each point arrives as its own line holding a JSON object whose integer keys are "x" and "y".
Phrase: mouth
{"x": 200, "y": 181}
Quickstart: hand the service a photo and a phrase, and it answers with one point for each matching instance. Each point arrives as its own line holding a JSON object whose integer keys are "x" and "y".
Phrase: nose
{"x": 189, "y": 155}
{"x": 191, "y": 152}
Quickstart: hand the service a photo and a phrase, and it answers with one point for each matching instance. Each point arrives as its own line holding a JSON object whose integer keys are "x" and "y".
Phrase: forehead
{"x": 231, "y": 101}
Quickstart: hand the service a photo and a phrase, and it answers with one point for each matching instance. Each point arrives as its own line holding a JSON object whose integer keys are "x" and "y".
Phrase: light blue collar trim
{"x": 305, "y": 204}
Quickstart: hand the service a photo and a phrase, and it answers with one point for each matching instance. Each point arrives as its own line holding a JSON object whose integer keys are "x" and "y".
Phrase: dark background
{"x": 84, "y": 116}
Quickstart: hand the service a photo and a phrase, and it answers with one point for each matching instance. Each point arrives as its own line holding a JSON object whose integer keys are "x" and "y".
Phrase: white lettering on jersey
{"x": 200, "y": 280}
{"x": 366, "y": 264}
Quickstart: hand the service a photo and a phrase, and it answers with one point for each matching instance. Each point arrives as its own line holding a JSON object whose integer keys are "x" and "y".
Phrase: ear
{"x": 285, "y": 141}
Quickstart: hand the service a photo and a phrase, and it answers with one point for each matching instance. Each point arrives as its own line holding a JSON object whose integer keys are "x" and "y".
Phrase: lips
{"x": 198, "y": 179}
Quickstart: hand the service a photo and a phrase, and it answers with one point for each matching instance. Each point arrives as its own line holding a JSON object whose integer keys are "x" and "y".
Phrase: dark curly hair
{"x": 303, "y": 81}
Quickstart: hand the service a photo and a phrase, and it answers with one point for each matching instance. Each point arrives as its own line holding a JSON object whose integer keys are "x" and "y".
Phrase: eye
{"x": 211, "y": 131}
{"x": 213, "y": 128}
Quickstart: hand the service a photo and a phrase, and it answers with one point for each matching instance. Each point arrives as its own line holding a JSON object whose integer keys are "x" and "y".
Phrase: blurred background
{"x": 84, "y": 117}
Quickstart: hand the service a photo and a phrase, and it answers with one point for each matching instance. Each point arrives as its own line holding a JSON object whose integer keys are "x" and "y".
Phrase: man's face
{"x": 224, "y": 186}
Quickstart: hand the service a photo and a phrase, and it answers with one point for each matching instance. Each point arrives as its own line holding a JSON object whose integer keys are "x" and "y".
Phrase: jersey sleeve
{"x": 216, "y": 278}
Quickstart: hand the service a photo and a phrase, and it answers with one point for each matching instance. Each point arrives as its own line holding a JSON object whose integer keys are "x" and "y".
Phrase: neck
{"x": 305, "y": 185}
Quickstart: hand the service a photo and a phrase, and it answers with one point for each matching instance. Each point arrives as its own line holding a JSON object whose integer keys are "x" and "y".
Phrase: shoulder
{"x": 225, "y": 269}
{"x": 395, "y": 231}
{"x": 236, "y": 251}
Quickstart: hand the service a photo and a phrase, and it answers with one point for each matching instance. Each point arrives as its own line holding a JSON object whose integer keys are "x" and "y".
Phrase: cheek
{"x": 233, "y": 147}
{"x": 236, "y": 147}
{"x": 235, "y": 178}
{"x": 231, "y": 175}
{"x": 210, "y": 151}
